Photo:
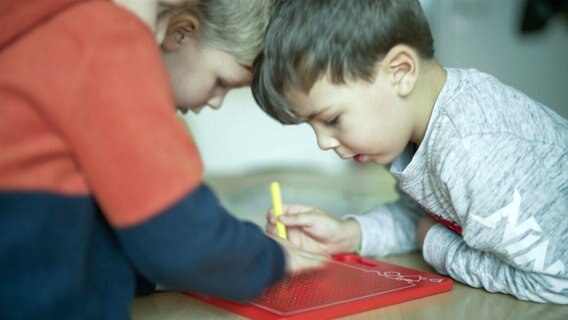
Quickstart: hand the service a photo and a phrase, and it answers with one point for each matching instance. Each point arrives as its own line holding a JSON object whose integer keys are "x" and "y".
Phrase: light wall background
{"x": 240, "y": 137}
{"x": 485, "y": 34}
{"x": 480, "y": 34}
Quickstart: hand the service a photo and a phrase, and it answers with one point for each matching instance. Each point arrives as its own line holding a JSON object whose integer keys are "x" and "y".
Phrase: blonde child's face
{"x": 358, "y": 120}
{"x": 201, "y": 75}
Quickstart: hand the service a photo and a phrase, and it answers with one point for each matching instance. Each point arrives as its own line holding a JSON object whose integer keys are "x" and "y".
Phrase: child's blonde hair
{"x": 234, "y": 26}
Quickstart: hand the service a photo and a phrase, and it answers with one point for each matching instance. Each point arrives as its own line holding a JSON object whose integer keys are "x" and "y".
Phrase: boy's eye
{"x": 333, "y": 122}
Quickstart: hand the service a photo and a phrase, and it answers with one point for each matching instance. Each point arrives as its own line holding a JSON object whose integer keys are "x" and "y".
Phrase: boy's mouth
{"x": 359, "y": 158}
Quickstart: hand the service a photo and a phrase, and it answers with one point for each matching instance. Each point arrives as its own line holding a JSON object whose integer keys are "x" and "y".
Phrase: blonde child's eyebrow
{"x": 313, "y": 115}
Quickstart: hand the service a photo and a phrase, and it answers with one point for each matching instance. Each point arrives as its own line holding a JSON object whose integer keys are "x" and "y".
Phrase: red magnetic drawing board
{"x": 349, "y": 284}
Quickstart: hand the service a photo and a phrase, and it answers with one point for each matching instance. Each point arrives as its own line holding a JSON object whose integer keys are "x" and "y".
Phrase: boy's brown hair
{"x": 342, "y": 39}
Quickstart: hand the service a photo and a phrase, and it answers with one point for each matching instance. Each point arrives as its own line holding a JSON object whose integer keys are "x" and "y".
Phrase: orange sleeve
{"x": 111, "y": 100}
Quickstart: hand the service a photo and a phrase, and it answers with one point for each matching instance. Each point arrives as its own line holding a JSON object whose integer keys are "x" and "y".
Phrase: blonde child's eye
{"x": 222, "y": 84}
{"x": 333, "y": 122}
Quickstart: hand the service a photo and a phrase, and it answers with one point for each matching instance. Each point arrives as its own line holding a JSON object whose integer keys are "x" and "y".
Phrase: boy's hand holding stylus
{"x": 313, "y": 230}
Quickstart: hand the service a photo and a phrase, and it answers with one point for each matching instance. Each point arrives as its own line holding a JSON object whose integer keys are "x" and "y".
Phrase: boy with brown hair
{"x": 482, "y": 169}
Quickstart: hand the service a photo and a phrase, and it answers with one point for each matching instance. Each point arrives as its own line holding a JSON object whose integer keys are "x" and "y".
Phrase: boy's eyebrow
{"x": 312, "y": 115}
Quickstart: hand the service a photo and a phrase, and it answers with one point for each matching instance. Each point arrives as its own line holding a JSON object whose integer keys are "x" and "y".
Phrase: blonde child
{"x": 100, "y": 183}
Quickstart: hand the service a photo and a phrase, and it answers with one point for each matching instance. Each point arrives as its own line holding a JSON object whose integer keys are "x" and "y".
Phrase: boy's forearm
{"x": 449, "y": 254}
{"x": 388, "y": 229}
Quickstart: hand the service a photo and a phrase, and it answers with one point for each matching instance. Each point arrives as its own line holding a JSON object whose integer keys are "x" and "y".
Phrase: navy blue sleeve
{"x": 144, "y": 287}
{"x": 197, "y": 246}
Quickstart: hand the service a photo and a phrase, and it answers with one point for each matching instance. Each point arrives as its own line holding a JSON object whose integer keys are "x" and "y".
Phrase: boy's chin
{"x": 365, "y": 159}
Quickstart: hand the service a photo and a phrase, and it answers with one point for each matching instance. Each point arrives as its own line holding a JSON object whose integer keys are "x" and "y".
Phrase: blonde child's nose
{"x": 216, "y": 102}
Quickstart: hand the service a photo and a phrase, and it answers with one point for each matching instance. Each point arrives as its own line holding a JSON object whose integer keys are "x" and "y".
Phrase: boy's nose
{"x": 327, "y": 142}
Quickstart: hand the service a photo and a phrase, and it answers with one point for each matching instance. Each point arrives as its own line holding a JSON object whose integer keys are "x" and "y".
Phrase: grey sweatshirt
{"x": 494, "y": 166}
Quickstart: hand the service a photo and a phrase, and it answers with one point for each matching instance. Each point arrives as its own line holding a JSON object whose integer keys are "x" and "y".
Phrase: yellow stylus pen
{"x": 277, "y": 206}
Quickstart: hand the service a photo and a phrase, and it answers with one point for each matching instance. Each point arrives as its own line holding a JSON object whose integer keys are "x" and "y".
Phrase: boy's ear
{"x": 180, "y": 29}
{"x": 402, "y": 65}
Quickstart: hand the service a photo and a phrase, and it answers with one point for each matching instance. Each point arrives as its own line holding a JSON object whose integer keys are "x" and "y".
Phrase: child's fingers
{"x": 293, "y": 215}
{"x": 288, "y": 209}
{"x": 298, "y": 220}
{"x": 270, "y": 217}
{"x": 294, "y": 208}
{"x": 271, "y": 229}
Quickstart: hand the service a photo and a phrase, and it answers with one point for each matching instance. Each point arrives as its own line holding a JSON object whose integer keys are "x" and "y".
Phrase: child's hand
{"x": 298, "y": 260}
{"x": 424, "y": 225}
{"x": 313, "y": 230}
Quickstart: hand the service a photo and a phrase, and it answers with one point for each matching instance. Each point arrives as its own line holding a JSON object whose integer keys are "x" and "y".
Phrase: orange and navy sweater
{"x": 99, "y": 182}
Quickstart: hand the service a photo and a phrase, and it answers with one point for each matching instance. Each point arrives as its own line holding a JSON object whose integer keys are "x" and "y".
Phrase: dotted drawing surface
{"x": 337, "y": 283}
